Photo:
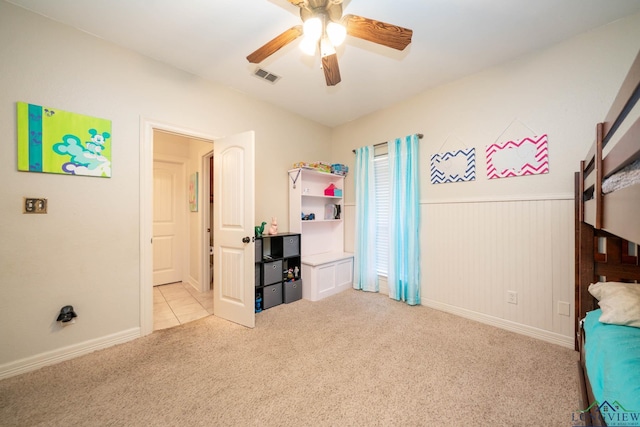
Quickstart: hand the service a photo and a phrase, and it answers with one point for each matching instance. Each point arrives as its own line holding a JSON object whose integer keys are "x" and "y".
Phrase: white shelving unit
{"x": 327, "y": 269}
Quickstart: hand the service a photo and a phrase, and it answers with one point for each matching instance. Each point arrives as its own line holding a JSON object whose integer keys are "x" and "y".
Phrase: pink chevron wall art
{"x": 527, "y": 156}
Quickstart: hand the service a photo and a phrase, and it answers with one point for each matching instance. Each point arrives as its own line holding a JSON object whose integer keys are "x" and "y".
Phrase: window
{"x": 381, "y": 176}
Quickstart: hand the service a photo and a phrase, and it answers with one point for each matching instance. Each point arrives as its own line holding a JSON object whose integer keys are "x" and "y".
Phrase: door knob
{"x": 246, "y": 239}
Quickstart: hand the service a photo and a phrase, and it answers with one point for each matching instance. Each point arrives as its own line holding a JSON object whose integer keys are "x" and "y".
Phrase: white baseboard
{"x": 194, "y": 283}
{"x": 329, "y": 292}
{"x": 56, "y": 356}
{"x": 530, "y": 331}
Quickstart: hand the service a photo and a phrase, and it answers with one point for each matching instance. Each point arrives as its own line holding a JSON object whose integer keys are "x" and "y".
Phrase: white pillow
{"x": 620, "y": 302}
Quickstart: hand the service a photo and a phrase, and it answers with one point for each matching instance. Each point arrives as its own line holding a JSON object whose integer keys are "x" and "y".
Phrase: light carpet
{"x": 354, "y": 359}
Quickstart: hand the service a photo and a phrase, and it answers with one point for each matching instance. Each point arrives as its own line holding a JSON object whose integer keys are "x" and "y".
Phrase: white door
{"x": 168, "y": 220}
{"x": 233, "y": 229}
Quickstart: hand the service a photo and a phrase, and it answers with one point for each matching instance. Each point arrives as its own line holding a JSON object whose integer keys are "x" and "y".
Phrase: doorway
{"x": 181, "y": 291}
{"x": 234, "y": 158}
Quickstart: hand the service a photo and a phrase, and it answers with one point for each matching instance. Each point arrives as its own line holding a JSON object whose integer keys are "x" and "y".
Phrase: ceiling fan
{"x": 325, "y": 27}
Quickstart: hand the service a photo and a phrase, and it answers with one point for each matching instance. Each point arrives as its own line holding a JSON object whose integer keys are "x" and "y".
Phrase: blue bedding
{"x": 612, "y": 355}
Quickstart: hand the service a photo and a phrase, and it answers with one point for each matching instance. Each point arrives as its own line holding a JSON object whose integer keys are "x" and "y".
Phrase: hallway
{"x": 178, "y": 303}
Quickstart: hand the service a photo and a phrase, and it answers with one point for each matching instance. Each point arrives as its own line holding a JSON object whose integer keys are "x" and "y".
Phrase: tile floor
{"x": 178, "y": 303}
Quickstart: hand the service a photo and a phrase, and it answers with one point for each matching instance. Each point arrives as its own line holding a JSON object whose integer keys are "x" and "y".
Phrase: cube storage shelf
{"x": 276, "y": 256}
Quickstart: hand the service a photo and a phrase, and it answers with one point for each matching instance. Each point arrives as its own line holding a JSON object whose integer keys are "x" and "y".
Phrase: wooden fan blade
{"x": 331, "y": 69}
{"x": 378, "y": 32}
{"x": 274, "y": 45}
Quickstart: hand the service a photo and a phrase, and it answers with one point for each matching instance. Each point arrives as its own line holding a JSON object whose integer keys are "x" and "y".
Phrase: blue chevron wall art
{"x": 453, "y": 166}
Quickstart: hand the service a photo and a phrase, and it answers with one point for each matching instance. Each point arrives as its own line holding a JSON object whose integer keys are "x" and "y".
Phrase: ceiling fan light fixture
{"x": 324, "y": 27}
{"x": 308, "y": 46}
{"x": 336, "y": 32}
{"x": 312, "y": 28}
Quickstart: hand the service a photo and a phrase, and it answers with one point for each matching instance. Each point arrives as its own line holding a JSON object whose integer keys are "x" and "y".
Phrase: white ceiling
{"x": 451, "y": 39}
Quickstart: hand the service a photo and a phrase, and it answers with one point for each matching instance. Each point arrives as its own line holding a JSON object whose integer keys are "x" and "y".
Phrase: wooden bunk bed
{"x": 607, "y": 223}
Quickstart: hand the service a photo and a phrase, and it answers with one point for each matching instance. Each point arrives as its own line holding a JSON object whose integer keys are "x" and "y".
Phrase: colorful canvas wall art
{"x": 193, "y": 192}
{"x": 528, "y": 156}
{"x": 61, "y": 142}
{"x": 453, "y": 166}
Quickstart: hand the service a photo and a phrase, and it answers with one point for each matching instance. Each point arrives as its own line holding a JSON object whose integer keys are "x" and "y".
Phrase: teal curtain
{"x": 404, "y": 219}
{"x": 364, "y": 268}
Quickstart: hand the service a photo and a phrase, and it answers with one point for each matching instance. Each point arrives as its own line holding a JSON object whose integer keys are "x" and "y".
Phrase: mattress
{"x": 626, "y": 177}
{"x": 612, "y": 359}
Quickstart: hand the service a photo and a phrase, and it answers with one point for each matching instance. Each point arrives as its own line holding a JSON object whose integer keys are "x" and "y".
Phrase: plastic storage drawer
{"x": 272, "y": 295}
{"x": 272, "y": 272}
{"x": 291, "y": 246}
{"x": 292, "y": 291}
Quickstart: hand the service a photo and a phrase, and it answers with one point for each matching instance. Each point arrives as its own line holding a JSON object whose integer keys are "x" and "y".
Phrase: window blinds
{"x": 381, "y": 174}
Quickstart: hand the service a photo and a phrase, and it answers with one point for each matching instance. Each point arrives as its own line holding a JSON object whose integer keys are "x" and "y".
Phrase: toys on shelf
{"x": 335, "y": 168}
{"x": 273, "y": 229}
{"x": 339, "y": 169}
{"x": 259, "y": 229}
{"x": 309, "y": 217}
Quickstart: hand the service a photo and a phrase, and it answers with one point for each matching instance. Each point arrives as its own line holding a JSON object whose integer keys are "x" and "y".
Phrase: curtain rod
{"x": 383, "y": 143}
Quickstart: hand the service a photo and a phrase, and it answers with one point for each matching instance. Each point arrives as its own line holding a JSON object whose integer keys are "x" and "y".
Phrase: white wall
{"x": 85, "y": 251}
{"x": 483, "y": 238}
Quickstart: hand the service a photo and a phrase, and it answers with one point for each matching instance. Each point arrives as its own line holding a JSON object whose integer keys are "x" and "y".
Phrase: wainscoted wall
{"x": 473, "y": 252}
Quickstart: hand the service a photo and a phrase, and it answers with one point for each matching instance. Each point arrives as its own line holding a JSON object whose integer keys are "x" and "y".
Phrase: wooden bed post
{"x": 578, "y": 210}
{"x": 586, "y": 271}
{"x": 584, "y": 266}
{"x": 599, "y": 175}
{"x": 579, "y": 185}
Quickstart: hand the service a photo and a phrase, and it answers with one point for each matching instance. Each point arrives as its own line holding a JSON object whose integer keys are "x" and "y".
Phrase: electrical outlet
{"x": 564, "y": 308}
{"x": 35, "y": 205}
{"x": 512, "y": 297}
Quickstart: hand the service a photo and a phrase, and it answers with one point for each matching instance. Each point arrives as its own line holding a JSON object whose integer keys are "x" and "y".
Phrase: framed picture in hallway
{"x": 193, "y": 192}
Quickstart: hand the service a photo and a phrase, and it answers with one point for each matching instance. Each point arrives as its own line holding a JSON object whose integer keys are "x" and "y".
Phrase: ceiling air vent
{"x": 265, "y": 75}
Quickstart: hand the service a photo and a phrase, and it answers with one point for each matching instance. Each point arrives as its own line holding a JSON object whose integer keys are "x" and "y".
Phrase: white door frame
{"x": 206, "y": 224}
{"x": 147, "y": 126}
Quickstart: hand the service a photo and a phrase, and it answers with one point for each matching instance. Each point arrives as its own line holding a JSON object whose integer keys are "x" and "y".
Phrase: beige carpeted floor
{"x": 355, "y": 359}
